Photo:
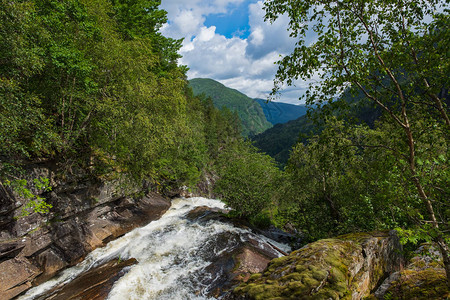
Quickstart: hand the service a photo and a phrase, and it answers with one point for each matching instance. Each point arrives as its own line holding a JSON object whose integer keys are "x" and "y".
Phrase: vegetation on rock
{"x": 345, "y": 267}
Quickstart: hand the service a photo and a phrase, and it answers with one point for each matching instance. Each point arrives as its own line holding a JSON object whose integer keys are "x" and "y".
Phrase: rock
{"x": 93, "y": 284}
{"x": 86, "y": 214}
{"x": 51, "y": 262}
{"x": 10, "y": 250}
{"x": 205, "y": 213}
{"x": 292, "y": 238}
{"x": 36, "y": 241}
{"x": 250, "y": 262}
{"x": 16, "y": 276}
{"x": 423, "y": 278}
{"x": 231, "y": 268}
{"x": 346, "y": 267}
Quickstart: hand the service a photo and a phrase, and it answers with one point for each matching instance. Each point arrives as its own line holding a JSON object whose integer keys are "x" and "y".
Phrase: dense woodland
{"x": 94, "y": 85}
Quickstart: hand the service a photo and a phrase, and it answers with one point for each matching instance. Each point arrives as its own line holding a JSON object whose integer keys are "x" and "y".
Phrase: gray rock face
{"x": 87, "y": 213}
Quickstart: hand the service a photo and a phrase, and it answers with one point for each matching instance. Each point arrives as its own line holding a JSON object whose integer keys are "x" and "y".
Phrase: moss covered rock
{"x": 423, "y": 278}
{"x": 346, "y": 267}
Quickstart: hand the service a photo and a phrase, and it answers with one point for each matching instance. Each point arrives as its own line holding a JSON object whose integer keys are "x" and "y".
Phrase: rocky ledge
{"x": 346, "y": 267}
{"x": 422, "y": 279}
{"x": 87, "y": 213}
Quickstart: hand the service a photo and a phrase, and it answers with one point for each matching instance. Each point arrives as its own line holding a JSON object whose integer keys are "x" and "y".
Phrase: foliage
{"x": 34, "y": 202}
{"x": 279, "y": 140}
{"x": 343, "y": 181}
{"x": 247, "y": 179}
{"x": 398, "y": 59}
{"x": 94, "y": 83}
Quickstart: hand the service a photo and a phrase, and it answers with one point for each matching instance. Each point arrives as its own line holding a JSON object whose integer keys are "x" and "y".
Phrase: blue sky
{"x": 228, "y": 41}
{"x": 235, "y": 22}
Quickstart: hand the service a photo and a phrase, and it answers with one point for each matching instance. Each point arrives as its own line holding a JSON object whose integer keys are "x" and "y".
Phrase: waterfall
{"x": 172, "y": 253}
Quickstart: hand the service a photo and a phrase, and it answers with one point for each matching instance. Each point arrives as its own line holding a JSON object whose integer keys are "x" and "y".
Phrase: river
{"x": 173, "y": 255}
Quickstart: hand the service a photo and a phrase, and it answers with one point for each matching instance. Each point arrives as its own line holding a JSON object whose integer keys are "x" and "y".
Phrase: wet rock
{"x": 204, "y": 213}
{"x": 16, "y": 276}
{"x": 233, "y": 267}
{"x": 250, "y": 262}
{"x": 346, "y": 267}
{"x": 292, "y": 238}
{"x": 93, "y": 284}
{"x": 87, "y": 213}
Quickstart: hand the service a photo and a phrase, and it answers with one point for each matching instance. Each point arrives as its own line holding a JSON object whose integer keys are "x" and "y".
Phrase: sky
{"x": 228, "y": 41}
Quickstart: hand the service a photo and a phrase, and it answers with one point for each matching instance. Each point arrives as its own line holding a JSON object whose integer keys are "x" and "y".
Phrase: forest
{"x": 93, "y": 84}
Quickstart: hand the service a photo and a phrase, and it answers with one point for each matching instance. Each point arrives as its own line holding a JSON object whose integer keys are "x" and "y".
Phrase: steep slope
{"x": 277, "y": 112}
{"x": 249, "y": 111}
{"x": 279, "y": 140}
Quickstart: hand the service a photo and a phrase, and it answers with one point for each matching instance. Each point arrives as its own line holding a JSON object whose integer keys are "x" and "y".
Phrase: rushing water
{"x": 173, "y": 254}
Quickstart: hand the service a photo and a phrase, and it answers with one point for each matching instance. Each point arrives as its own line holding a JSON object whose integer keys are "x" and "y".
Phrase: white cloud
{"x": 243, "y": 64}
{"x": 206, "y": 34}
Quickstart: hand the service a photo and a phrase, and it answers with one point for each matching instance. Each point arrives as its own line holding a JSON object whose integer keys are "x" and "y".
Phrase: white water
{"x": 172, "y": 255}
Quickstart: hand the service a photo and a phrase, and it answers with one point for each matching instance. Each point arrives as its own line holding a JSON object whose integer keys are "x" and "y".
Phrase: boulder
{"x": 345, "y": 267}
{"x": 233, "y": 267}
{"x": 95, "y": 283}
{"x": 423, "y": 278}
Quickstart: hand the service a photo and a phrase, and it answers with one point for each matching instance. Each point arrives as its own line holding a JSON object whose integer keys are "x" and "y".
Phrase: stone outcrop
{"x": 94, "y": 284}
{"x": 423, "y": 278}
{"x": 346, "y": 267}
{"x": 87, "y": 213}
{"x": 245, "y": 258}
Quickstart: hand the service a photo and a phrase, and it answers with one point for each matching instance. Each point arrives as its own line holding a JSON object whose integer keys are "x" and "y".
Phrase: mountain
{"x": 249, "y": 111}
{"x": 279, "y": 140}
{"x": 277, "y": 112}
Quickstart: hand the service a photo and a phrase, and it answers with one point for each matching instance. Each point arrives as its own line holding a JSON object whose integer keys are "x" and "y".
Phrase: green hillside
{"x": 279, "y": 140}
{"x": 250, "y": 112}
{"x": 279, "y": 113}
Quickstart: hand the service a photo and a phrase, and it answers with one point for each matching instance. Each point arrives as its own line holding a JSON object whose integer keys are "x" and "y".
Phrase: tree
{"x": 398, "y": 58}
{"x": 247, "y": 179}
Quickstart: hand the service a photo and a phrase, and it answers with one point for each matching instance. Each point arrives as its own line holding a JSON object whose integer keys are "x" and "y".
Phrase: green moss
{"x": 310, "y": 282}
{"x": 319, "y": 274}
{"x": 255, "y": 276}
{"x": 420, "y": 284}
{"x": 317, "y": 271}
{"x": 301, "y": 268}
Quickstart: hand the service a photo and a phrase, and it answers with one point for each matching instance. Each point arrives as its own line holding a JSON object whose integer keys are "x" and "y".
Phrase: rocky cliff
{"x": 87, "y": 212}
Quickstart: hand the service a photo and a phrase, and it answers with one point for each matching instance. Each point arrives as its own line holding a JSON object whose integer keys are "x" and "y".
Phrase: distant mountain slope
{"x": 279, "y": 140}
{"x": 277, "y": 112}
{"x": 250, "y": 112}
